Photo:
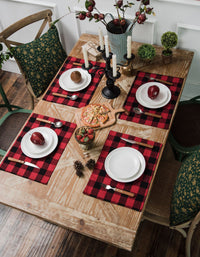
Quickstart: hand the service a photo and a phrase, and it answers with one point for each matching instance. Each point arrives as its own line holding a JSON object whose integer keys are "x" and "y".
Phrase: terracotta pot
{"x": 167, "y": 58}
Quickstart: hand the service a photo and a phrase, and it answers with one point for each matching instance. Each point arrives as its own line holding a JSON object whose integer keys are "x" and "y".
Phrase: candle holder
{"x": 99, "y": 49}
{"x": 127, "y": 69}
{"x": 111, "y": 91}
{"x": 108, "y": 68}
{"x": 106, "y": 58}
{"x": 89, "y": 67}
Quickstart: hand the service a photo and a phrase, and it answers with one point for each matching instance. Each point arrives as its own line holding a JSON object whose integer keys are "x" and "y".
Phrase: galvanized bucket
{"x": 118, "y": 42}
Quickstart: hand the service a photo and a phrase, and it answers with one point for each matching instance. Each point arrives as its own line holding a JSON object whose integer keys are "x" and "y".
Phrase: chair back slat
{"x": 44, "y": 23}
{"x": 46, "y": 15}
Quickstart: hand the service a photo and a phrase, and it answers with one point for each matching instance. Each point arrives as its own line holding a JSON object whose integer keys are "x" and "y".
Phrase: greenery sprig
{"x": 4, "y": 55}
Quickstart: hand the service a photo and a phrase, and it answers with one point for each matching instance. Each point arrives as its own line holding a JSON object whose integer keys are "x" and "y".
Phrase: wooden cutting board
{"x": 112, "y": 116}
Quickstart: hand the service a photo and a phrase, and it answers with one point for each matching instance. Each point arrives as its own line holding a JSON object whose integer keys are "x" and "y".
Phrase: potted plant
{"x": 118, "y": 28}
{"x": 4, "y": 56}
{"x": 169, "y": 39}
{"x": 146, "y": 52}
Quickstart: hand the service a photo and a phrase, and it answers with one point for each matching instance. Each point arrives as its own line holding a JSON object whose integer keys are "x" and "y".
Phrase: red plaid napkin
{"x": 84, "y": 95}
{"x": 139, "y": 187}
{"x": 165, "y": 111}
{"x": 46, "y": 164}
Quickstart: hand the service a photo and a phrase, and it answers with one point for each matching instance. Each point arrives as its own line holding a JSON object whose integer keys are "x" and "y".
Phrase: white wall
{"x": 181, "y": 16}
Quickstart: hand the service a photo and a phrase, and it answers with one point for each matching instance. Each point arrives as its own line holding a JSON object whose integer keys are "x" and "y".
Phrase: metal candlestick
{"x": 99, "y": 49}
{"x": 89, "y": 67}
{"x": 127, "y": 69}
{"x": 111, "y": 91}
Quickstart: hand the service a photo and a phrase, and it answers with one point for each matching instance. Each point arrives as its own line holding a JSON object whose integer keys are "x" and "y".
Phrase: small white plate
{"x": 161, "y": 100}
{"x": 67, "y": 84}
{"x": 38, "y": 151}
{"x": 125, "y": 164}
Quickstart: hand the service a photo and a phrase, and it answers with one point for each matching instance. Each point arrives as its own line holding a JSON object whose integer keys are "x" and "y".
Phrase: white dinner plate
{"x": 38, "y": 151}
{"x": 122, "y": 165}
{"x": 161, "y": 100}
{"x": 67, "y": 84}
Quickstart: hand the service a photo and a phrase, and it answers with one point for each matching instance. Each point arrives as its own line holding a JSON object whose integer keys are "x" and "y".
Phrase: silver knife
{"x": 23, "y": 162}
{"x": 135, "y": 142}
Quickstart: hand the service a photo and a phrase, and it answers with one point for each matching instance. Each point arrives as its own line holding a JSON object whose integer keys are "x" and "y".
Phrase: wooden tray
{"x": 112, "y": 116}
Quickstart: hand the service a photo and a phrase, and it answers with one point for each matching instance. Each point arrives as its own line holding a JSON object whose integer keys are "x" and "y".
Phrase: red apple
{"x": 153, "y": 91}
{"x": 101, "y": 16}
{"x": 122, "y": 22}
{"x": 88, "y": 14}
{"x": 119, "y": 3}
{"x": 90, "y": 8}
{"x": 141, "y": 18}
{"x": 116, "y": 21}
{"x": 37, "y": 138}
{"x": 82, "y": 16}
{"x": 96, "y": 16}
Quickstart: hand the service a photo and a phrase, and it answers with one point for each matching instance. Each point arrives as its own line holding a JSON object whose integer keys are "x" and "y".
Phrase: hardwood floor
{"x": 23, "y": 235}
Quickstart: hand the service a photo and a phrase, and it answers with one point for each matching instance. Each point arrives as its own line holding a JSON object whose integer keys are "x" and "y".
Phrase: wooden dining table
{"x": 61, "y": 201}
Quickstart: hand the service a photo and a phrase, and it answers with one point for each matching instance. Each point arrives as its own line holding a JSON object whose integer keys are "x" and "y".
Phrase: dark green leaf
{"x": 86, "y": 139}
{"x": 87, "y": 4}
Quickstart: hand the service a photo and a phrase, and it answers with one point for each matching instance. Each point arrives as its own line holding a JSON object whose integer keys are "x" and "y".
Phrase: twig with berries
{"x": 90, "y": 5}
{"x": 121, "y": 7}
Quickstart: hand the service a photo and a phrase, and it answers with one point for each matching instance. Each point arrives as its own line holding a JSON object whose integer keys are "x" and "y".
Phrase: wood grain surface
{"x": 61, "y": 201}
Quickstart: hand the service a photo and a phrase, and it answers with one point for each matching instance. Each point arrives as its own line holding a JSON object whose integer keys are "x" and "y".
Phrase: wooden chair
{"x": 184, "y": 135}
{"x": 159, "y": 205}
{"x": 11, "y": 122}
{"x": 24, "y": 54}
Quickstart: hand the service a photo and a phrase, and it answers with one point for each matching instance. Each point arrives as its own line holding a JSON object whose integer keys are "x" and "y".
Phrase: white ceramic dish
{"x": 160, "y": 101}
{"x": 38, "y": 151}
{"x": 125, "y": 164}
{"x": 67, "y": 84}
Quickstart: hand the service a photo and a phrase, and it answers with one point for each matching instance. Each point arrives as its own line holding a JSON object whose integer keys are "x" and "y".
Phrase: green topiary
{"x": 146, "y": 51}
{"x": 168, "y": 40}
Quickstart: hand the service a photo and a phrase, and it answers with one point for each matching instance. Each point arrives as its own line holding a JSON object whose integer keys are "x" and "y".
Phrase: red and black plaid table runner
{"x": 165, "y": 111}
{"x": 139, "y": 187}
{"x": 47, "y": 164}
{"x": 84, "y": 95}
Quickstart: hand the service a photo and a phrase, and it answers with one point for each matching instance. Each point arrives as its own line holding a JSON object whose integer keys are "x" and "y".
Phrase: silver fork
{"x": 108, "y": 187}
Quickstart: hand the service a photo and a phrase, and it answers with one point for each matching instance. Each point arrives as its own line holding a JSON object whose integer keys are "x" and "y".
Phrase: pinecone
{"x": 79, "y": 173}
{"x": 79, "y": 168}
{"x": 90, "y": 164}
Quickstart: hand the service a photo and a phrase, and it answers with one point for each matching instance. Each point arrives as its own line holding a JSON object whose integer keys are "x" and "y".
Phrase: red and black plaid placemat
{"x": 47, "y": 164}
{"x": 165, "y": 111}
{"x": 139, "y": 187}
{"x": 84, "y": 95}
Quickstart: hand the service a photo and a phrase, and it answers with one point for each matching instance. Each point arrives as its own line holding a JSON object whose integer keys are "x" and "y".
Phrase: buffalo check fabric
{"x": 46, "y": 164}
{"x": 84, "y": 95}
{"x": 139, "y": 187}
{"x": 166, "y": 111}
